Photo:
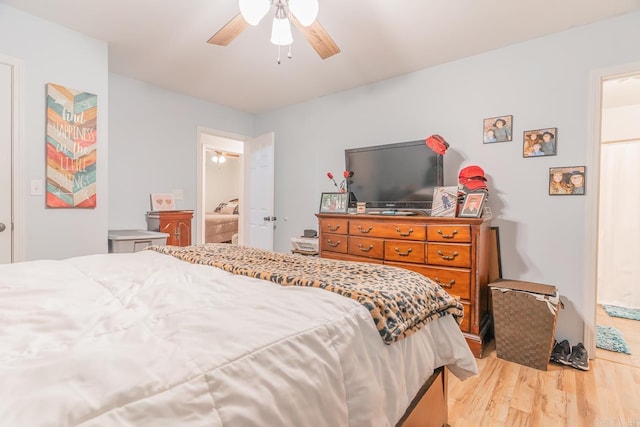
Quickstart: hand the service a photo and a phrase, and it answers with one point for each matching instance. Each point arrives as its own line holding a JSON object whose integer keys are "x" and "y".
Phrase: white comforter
{"x": 145, "y": 339}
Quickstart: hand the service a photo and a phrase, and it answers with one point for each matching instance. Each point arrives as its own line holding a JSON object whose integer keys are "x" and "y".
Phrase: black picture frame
{"x": 473, "y": 205}
{"x": 568, "y": 181}
{"x": 334, "y": 203}
{"x": 497, "y": 129}
{"x": 545, "y": 139}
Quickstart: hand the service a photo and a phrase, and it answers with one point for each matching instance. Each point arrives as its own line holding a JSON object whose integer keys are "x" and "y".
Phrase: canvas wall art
{"x": 71, "y": 148}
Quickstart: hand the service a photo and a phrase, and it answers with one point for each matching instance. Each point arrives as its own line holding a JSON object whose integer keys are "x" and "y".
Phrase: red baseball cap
{"x": 437, "y": 144}
{"x": 472, "y": 177}
{"x": 470, "y": 172}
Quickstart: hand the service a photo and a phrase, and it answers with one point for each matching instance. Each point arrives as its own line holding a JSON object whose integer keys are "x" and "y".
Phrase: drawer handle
{"x": 448, "y": 236}
{"x": 408, "y": 233}
{"x": 403, "y": 253}
{"x": 448, "y": 258}
{"x": 444, "y": 285}
{"x": 333, "y": 228}
{"x": 362, "y": 230}
{"x": 332, "y": 244}
{"x": 363, "y": 249}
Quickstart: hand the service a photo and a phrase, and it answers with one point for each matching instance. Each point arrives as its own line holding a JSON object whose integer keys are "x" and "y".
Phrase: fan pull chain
{"x": 289, "y": 54}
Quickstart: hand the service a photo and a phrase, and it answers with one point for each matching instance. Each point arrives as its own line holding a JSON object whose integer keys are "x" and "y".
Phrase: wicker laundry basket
{"x": 525, "y": 315}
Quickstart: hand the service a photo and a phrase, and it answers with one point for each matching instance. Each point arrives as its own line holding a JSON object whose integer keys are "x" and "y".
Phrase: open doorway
{"x": 12, "y": 193}
{"x": 220, "y": 188}
{"x": 618, "y": 271}
{"x": 256, "y": 222}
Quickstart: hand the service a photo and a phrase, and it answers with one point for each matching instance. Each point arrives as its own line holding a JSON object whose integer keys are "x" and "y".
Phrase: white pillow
{"x": 229, "y": 208}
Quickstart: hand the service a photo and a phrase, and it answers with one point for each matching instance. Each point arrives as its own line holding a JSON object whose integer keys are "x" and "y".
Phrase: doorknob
{"x": 2, "y": 227}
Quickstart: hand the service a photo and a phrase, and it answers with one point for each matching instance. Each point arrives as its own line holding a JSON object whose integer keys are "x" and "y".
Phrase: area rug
{"x": 627, "y": 313}
{"x": 610, "y": 338}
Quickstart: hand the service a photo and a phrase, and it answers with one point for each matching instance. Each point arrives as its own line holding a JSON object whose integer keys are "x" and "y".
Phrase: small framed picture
{"x": 473, "y": 204}
{"x": 539, "y": 142}
{"x": 445, "y": 201}
{"x": 568, "y": 180}
{"x": 334, "y": 202}
{"x": 497, "y": 129}
{"x": 162, "y": 202}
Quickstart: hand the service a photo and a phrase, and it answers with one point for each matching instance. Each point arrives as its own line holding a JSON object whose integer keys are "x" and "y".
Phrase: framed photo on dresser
{"x": 334, "y": 202}
{"x": 473, "y": 204}
{"x": 162, "y": 202}
{"x": 445, "y": 201}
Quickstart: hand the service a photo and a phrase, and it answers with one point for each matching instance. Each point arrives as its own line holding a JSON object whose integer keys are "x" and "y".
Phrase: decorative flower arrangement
{"x": 343, "y": 184}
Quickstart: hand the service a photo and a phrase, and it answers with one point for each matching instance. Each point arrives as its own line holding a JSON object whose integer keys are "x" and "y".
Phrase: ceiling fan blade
{"x": 318, "y": 38}
{"x": 230, "y": 31}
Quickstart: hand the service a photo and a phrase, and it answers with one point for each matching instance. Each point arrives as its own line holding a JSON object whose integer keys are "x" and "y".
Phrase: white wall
{"x": 618, "y": 229}
{"x": 154, "y": 146}
{"x": 54, "y": 54}
{"x": 543, "y": 83}
{"x": 620, "y": 123}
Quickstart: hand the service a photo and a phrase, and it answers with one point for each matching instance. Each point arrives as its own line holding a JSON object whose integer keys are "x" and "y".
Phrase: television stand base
{"x": 398, "y": 213}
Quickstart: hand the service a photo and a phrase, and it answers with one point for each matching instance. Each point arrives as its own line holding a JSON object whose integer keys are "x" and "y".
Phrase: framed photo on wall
{"x": 334, "y": 202}
{"x": 568, "y": 180}
{"x": 473, "y": 204}
{"x": 539, "y": 142}
{"x": 497, "y": 129}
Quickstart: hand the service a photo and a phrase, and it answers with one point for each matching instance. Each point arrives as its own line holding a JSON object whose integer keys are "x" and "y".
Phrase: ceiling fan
{"x": 302, "y": 13}
{"x": 221, "y": 156}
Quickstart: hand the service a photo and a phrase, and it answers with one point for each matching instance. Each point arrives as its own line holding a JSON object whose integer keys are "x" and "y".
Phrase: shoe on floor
{"x": 561, "y": 352}
{"x": 579, "y": 358}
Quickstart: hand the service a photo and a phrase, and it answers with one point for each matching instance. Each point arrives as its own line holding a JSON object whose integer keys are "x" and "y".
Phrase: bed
{"x": 220, "y": 227}
{"x": 205, "y": 336}
{"x": 222, "y": 223}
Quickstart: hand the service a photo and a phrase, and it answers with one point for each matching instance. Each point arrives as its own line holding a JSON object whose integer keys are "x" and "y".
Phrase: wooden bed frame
{"x": 429, "y": 407}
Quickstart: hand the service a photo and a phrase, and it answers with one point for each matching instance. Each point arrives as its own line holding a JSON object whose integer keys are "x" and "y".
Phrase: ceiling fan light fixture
{"x": 254, "y": 10}
{"x": 281, "y": 32}
{"x": 306, "y": 11}
{"x": 218, "y": 158}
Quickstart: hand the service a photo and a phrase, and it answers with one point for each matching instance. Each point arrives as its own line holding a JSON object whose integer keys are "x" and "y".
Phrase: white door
{"x": 259, "y": 218}
{"x": 6, "y": 100}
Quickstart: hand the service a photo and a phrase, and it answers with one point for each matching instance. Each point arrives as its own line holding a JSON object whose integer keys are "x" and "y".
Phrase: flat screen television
{"x": 394, "y": 176}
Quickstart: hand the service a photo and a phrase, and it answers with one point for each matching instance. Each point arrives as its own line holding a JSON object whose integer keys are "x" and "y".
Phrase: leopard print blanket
{"x": 400, "y": 301}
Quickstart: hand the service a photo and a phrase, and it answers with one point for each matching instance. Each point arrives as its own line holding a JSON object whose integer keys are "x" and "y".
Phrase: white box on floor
{"x": 123, "y": 241}
{"x": 308, "y": 244}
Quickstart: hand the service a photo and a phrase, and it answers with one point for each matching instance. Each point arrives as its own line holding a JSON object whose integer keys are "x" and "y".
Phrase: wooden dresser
{"x": 176, "y": 223}
{"x": 454, "y": 252}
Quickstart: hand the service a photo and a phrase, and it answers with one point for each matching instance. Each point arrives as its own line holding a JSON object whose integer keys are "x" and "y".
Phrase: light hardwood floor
{"x": 506, "y": 394}
{"x": 630, "y": 331}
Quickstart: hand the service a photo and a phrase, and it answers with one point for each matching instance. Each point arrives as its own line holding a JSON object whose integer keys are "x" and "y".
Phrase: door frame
{"x": 593, "y": 196}
{"x": 18, "y": 194}
{"x": 201, "y": 158}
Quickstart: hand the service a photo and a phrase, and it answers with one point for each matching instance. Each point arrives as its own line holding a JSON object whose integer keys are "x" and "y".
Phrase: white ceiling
{"x": 163, "y": 42}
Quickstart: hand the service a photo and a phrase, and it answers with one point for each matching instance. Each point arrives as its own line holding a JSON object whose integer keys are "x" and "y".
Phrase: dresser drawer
{"x": 389, "y": 231}
{"x": 456, "y": 281}
{"x": 335, "y": 226}
{"x": 405, "y": 251}
{"x": 347, "y": 257}
{"x": 366, "y": 247}
{"x": 448, "y": 254}
{"x": 334, "y": 243}
{"x": 449, "y": 233}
